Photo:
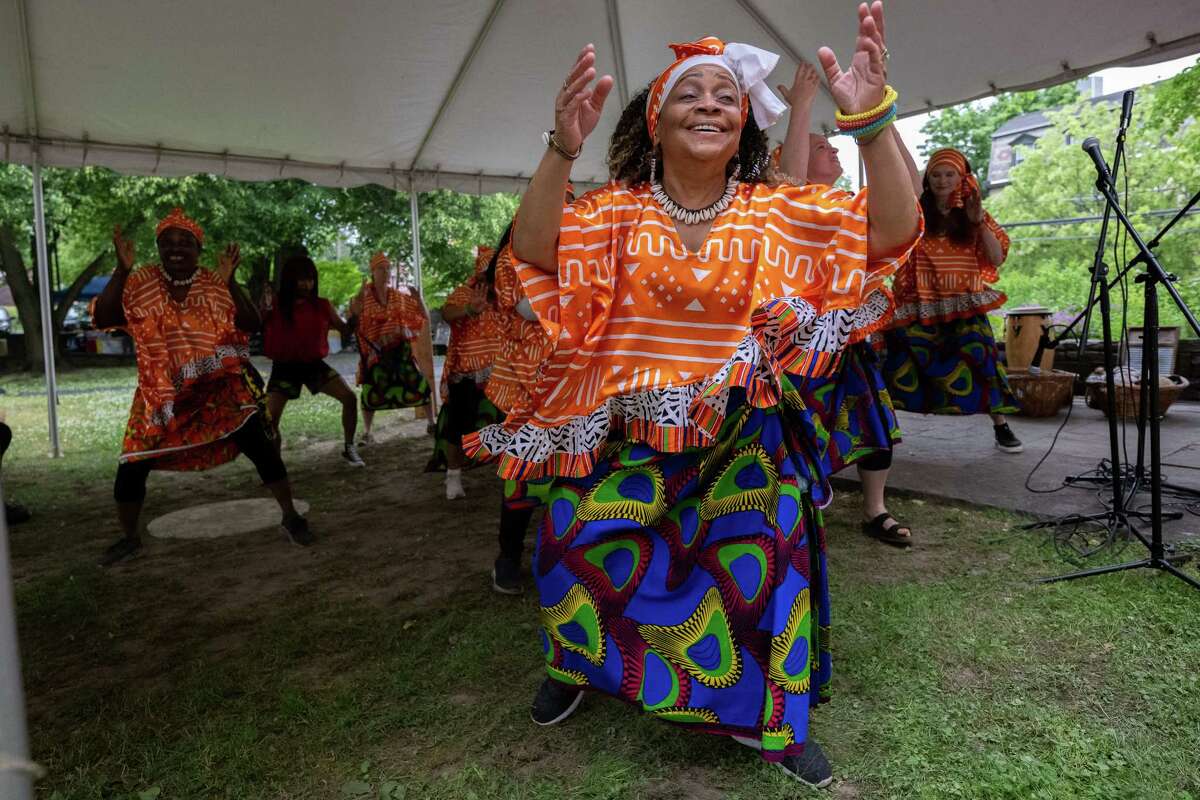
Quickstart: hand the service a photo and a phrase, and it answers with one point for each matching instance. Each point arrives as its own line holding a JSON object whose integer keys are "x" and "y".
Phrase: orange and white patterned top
{"x": 474, "y": 339}
{"x": 650, "y": 338}
{"x": 523, "y": 344}
{"x": 944, "y": 281}
{"x": 190, "y": 358}
{"x": 384, "y": 325}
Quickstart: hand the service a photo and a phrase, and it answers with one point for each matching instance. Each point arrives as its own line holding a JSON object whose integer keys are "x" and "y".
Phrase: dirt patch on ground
{"x": 408, "y": 549}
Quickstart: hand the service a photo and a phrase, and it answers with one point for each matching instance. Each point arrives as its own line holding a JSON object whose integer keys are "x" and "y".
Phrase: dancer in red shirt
{"x": 296, "y": 339}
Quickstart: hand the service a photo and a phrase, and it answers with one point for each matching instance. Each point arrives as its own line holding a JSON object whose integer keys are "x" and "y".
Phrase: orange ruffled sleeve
{"x": 988, "y": 272}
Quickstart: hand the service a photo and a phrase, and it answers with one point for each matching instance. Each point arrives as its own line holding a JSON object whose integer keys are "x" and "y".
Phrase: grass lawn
{"x": 379, "y": 664}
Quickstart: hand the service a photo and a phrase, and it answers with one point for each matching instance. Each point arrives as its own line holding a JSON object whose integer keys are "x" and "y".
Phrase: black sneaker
{"x": 295, "y": 528}
{"x": 810, "y": 767}
{"x": 1005, "y": 440}
{"x": 554, "y": 702}
{"x": 121, "y": 550}
{"x": 506, "y": 576}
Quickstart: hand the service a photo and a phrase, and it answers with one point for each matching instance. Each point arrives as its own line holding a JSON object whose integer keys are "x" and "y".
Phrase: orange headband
{"x": 380, "y": 258}
{"x": 950, "y": 157}
{"x": 686, "y": 54}
{"x": 177, "y": 219}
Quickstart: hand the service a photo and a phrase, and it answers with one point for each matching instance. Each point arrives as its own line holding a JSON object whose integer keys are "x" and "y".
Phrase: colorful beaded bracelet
{"x": 848, "y": 122}
{"x": 867, "y": 131}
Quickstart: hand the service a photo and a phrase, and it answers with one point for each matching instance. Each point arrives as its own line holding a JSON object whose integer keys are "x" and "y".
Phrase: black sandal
{"x": 876, "y": 530}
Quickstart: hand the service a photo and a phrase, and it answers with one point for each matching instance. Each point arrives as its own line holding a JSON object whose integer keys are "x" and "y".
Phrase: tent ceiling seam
{"x": 769, "y": 28}
{"x": 463, "y": 68}
{"x": 618, "y": 46}
{"x": 31, "y": 112}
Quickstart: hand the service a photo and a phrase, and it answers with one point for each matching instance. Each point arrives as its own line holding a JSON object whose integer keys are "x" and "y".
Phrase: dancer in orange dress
{"x": 941, "y": 355}
{"x": 681, "y": 563}
{"x": 474, "y": 341}
{"x": 395, "y": 367}
{"x": 198, "y": 402}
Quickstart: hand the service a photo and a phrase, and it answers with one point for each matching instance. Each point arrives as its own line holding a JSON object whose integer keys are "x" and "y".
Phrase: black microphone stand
{"x": 1161, "y": 556}
{"x": 1115, "y": 519}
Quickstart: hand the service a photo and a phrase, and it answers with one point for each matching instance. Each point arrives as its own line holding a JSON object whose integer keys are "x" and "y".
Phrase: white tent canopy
{"x": 449, "y": 93}
{"x": 454, "y": 93}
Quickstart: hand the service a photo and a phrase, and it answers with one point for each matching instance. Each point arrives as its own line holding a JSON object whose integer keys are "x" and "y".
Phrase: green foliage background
{"x": 1048, "y": 264}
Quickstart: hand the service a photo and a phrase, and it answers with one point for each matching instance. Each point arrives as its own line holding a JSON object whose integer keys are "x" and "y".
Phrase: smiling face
{"x": 702, "y": 117}
{"x": 823, "y": 164}
{"x": 178, "y": 251}
{"x": 943, "y": 179}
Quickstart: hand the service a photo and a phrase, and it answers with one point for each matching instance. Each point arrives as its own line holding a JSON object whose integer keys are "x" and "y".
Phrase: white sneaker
{"x": 350, "y": 453}
{"x": 454, "y": 487}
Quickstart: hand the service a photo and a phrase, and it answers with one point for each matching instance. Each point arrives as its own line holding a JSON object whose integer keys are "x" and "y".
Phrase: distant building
{"x": 1027, "y": 129}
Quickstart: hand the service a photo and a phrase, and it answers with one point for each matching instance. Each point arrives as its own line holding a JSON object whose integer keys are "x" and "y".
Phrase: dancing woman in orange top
{"x": 198, "y": 401}
{"x": 395, "y": 364}
{"x": 474, "y": 340}
{"x": 941, "y": 355}
{"x": 681, "y": 563}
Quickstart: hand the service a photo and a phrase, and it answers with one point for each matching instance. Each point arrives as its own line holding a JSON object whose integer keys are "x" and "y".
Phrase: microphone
{"x": 1126, "y": 109}
{"x": 1091, "y": 146}
{"x": 1035, "y": 366}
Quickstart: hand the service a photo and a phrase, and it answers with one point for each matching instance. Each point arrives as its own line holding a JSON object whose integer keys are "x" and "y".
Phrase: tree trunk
{"x": 25, "y": 297}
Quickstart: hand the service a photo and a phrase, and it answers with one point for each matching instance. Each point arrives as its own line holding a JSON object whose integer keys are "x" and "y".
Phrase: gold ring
{"x": 885, "y": 54}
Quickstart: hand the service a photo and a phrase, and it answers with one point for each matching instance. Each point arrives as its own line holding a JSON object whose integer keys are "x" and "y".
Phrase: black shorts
{"x": 288, "y": 378}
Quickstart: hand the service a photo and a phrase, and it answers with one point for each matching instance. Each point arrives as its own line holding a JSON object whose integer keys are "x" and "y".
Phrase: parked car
{"x": 6, "y": 320}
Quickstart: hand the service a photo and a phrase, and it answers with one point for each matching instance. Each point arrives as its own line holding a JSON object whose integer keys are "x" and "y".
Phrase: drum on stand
{"x": 1023, "y": 327}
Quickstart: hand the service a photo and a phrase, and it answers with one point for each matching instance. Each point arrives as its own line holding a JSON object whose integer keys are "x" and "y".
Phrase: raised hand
{"x": 125, "y": 249}
{"x": 579, "y": 102}
{"x": 803, "y": 88}
{"x": 227, "y": 262}
{"x": 479, "y": 299}
{"x": 861, "y": 87}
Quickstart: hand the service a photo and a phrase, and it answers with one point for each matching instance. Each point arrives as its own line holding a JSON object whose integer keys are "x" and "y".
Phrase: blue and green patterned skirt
{"x": 853, "y": 409}
{"x": 693, "y": 584}
{"x": 394, "y": 381}
{"x": 947, "y": 368}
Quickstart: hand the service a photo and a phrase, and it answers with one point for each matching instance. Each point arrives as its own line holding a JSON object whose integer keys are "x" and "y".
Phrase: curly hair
{"x": 630, "y": 149}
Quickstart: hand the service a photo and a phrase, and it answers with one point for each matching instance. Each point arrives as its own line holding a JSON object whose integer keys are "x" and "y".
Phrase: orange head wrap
{"x": 483, "y": 258}
{"x": 748, "y": 65}
{"x": 177, "y": 219}
{"x": 949, "y": 157}
{"x": 378, "y": 259}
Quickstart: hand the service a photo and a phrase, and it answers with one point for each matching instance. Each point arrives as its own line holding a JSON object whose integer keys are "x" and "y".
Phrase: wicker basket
{"x": 1043, "y": 394}
{"x": 1170, "y": 388}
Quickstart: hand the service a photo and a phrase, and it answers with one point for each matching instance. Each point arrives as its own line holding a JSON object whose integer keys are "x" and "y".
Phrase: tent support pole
{"x": 414, "y": 205}
{"x": 43, "y": 273}
{"x": 16, "y": 771}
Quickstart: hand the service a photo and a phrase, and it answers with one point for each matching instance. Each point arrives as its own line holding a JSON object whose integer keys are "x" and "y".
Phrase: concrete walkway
{"x": 956, "y": 457}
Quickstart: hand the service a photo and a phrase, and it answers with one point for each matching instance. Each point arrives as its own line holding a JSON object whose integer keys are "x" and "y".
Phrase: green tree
{"x": 969, "y": 127}
{"x": 340, "y": 280}
{"x": 452, "y": 224}
{"x": 1048, "y": 264}
{"x": 83, "y": 205}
